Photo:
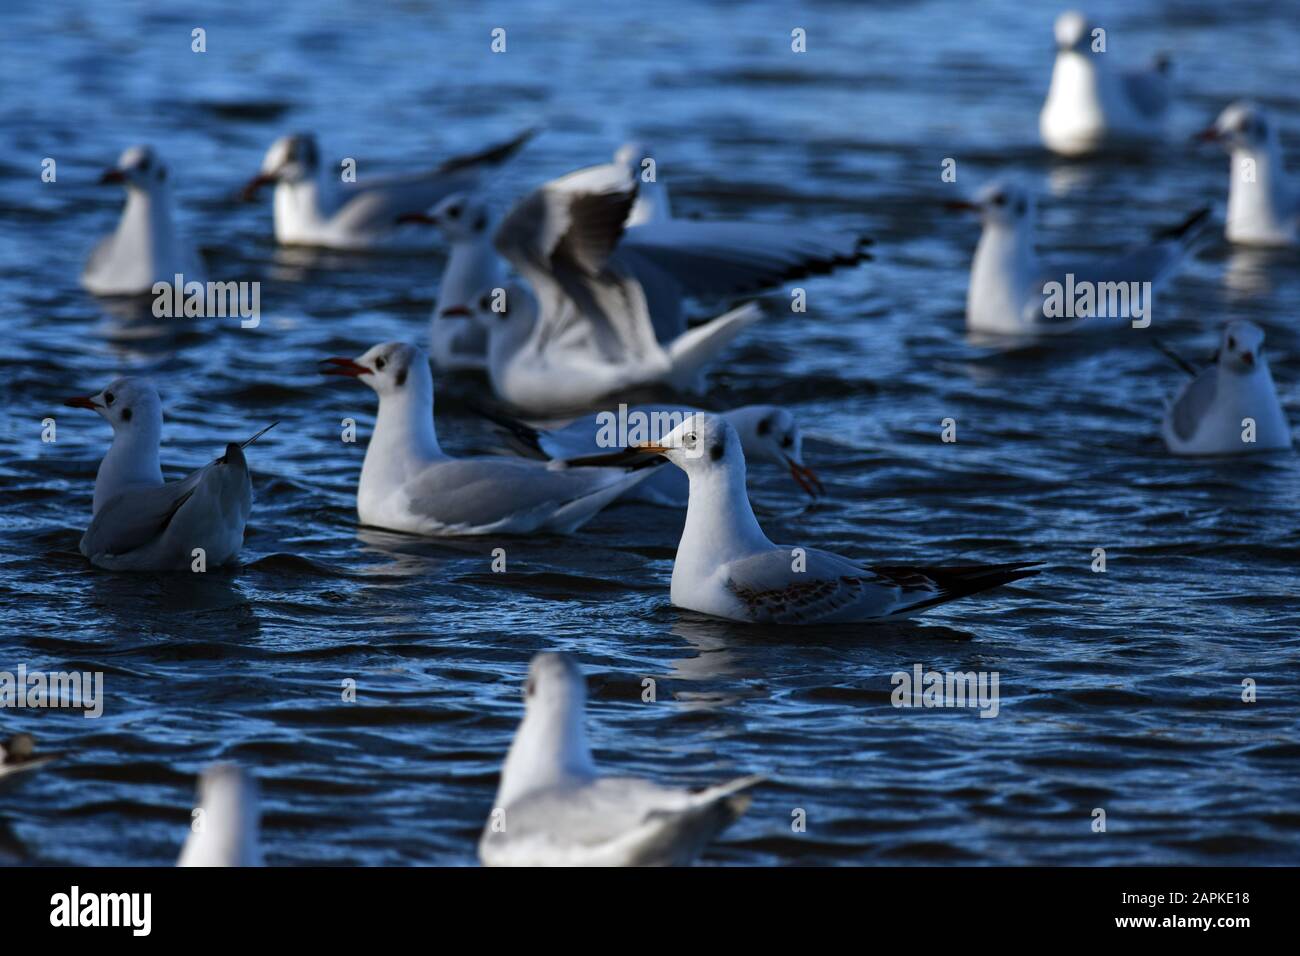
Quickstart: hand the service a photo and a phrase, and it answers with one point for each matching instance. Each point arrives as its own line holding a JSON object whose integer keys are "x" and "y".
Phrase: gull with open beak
{"x": 146, "y": 247}
{"x": 1091, "y": 105}
{"x": 1230, "y": 407}
{"x": 408, "y": 483}
{"x": 726, "y": 566}
{"x": 313, "y": 206}
{"x": 766, "y": 432}
{"x": 1263, "y": 205}
{"x": 1010, "y": 282}
{"x": 554, "y": 808}
{"x": 140, "y": 522}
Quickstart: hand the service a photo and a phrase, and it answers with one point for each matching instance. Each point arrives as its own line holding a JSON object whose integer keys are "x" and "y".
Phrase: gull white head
{"x": 701, "y": 445}
{"x": 291, "y": 159}
{"x": 392, "y": 369}
{"x": 132, "y": 407}
{"x": 550, "y": 746}
{"x": 138, "y": 169}
{"x": 1241, "y": 349}
{"x": 1242, "y": 125}
{"x": 770, "y": 432}
{"x": 224, "y": 827}
{"x": 461, "y": 217}
{"x": 1073, "y": 32}
{"x": 1003, "y": 204}
{"x": 507, "y": 316}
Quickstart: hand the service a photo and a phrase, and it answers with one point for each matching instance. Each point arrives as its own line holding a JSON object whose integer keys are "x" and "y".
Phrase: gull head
{"x": 1242, "y": 125}
{"x": 554, "y": 684}
{"x": 461, "y": 216}
{"x": 505, "y": 312}
{"x": 770, "y": 432}
{"x": 291, "y": 159}
{"x": 1073, "y": 32}
{"x": 390, "y": 368}
{"x": 130, "y": 405}
{"x": 700, "y": 445}
{"x": 137, "y": 168}
{"x": 1241, "y": 350}
{"x": 999, "y": 203}
{"x": 631, "y": 154}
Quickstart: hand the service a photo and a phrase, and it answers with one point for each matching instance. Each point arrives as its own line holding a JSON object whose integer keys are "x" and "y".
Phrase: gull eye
{"x": 1232, "y": 344}
{"x": 108, "y": 398}
{"x": 126, "y": 414}
{"x": 453, "y": 212}
{"x": 379, "y": 364}
{"x": 764, "y": 426}
{"x": 787, "y": 441}
{"x": 999, "y": 200}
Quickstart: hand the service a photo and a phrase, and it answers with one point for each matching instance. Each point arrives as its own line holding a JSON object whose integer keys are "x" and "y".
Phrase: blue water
{"x": 1119, "y": 691}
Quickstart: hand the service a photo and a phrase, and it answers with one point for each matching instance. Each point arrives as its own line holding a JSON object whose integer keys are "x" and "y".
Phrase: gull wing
{"x": 139, "y": 515}
{"x": 1189, "y": 408}
{"x": 561, "y": 238}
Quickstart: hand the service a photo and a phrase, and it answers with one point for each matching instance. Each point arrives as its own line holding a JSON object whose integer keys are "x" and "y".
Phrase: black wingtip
{"x": 249, "y": 441}
{"x": 528, "y": 436}
{"x": 1191, "y": 223}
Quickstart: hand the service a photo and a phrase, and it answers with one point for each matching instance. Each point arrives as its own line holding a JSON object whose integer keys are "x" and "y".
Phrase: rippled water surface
{"x": 1119, "y": 690}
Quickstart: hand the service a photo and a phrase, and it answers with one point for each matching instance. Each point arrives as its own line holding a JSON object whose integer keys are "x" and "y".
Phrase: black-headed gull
{"x": 1009, "y": 282}
{"x": 224, "y": 826}
{"x": 408, "y": 483}
{"x": 1230, "y": 407}
{"x": 1263, "y": 206}
{"x": 313, "y": 206}
{"x": 456, "y": 341}
{"x": 726, "y": 566}
{"x": 553, "y": 808}
{"x": 18, "y": 756}
{"x": 1093, "y": 104}
{"x": 146, "y": 247}
{"x": 140, "y": 522}
{"x": 766, "y": 432}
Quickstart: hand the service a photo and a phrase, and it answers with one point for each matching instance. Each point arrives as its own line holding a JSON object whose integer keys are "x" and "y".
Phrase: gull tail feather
{"x": 259, "y": 434}
{"x": 692, "y": 352}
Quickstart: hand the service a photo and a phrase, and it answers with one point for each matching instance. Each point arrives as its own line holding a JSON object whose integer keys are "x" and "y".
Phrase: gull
{"x": 140, "y": 522}
{"x": 1263, "y": 207}
{"x": 1215, "y": 411}
{"x": 146, "y": 246}
{"x": 553, "y": 808}
{"x": 1009, "y": 282}
{"x": 765, "y": 431}
{"x": 408, "y": 483}
{"x": 726, "y": 567}
{"x": 455, "y": 340}
{"x": 652, "y": 203}
{"x": 1091, "y": 104}
{"x": 18, "y": 756}
{"x": 314, "y": 207}
{"x": 224, "y": 826}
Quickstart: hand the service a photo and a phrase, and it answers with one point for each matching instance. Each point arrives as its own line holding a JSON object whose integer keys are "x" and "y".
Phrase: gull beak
{"x": 806, "y": 478}
{"x": 419, "y": 218}
{"x": 649, "y": 448}
{"x": 87, "y": 401}
{"x": 114, "y": 176}
{"x": 249, "y": 192}
{"x": 1208, "y": 135}
{"x": 346, "y": 367}
{"x": 962, "y": 205}
{"x": 456, "y": 312}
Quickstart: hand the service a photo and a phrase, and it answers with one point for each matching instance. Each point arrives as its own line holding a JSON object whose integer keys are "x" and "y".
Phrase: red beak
{"x": 345, "y": 366}
{"x": 456, "y": 312}
{"x": 112, "y": 176}
{"x": 249, "y": 192}
{"x": 419, "y": 218}
{"x": 82, "y": 402}
{"x": 1207, "y": 135}
{"x": 806, "y": 478}
{"x": 961, "y": 205}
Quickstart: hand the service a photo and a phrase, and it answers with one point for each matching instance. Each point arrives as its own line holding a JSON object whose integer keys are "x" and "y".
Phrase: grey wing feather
{"x": 1195, "y": 400}
{"x": 137, "y": 516}
{"x": 469, "y": 492}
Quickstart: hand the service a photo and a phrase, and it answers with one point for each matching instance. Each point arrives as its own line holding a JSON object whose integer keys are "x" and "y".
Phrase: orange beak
{"x": 83, "y": 402}
{"x": 806, "y": 478}
{"x": 649, "y": 448}
{"x": 250, "y": 190}
{"x": 346, "y": 367}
